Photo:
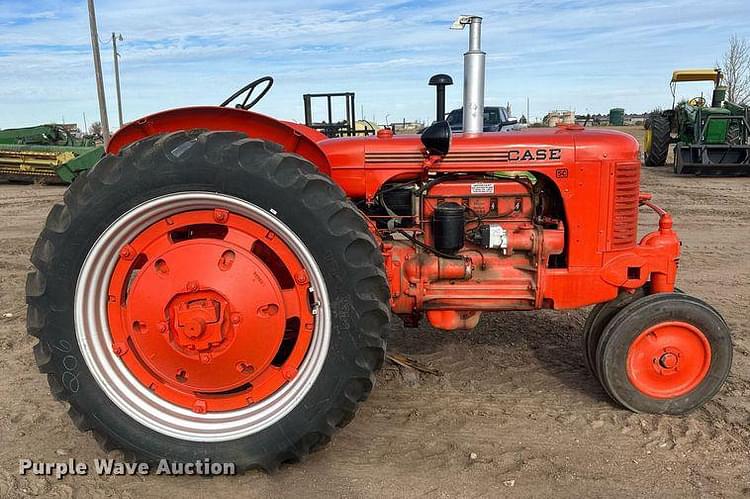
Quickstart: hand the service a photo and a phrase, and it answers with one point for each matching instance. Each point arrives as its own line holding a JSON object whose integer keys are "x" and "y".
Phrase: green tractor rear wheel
{"x": 734, "y": 133}
{"x": 657, "y": 140}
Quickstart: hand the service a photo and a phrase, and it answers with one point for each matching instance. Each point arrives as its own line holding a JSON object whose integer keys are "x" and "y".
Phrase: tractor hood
{"x": 485, "y": 151}
{"x": 398, "y": 157}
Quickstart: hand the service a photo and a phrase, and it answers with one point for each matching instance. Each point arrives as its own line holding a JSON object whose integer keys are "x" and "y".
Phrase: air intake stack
{"x": 474, "y": 62}
{"x": 440, "y": 81}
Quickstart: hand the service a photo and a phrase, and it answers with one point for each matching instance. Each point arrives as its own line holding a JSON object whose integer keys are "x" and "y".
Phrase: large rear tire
{"x": 734, "y": 133}
{"x": 666, "y": 353}
{"x": 658, "y": 138}
{"x": 208, "y": 296}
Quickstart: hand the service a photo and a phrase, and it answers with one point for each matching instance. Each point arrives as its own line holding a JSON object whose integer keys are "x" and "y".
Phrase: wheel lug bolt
{"x": 127, "y": 252}
{"x": 301, "y": 277}
{"x": 199, "y": 406}
{"x": 668, "y": 360}
{"x": 288, "y": 372}
{"x": 120, "y": 349}
{"x": 236, "y": 318}
{"x": 192, "y": 286}
{"x": 163, "y": 327}
{"x": 221, "y": 215}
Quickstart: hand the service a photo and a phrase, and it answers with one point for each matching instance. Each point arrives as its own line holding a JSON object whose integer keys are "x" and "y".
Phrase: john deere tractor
{"x": 708, "y": 139}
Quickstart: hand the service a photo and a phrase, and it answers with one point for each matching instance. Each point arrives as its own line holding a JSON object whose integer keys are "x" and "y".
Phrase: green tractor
{"x": 708, "y": 139}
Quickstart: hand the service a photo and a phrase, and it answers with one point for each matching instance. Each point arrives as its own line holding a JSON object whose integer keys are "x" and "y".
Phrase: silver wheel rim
{"x": 124, "y": 390}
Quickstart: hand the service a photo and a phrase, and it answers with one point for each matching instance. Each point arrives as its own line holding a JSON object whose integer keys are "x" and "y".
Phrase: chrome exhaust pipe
{"x": 474, "y": 63}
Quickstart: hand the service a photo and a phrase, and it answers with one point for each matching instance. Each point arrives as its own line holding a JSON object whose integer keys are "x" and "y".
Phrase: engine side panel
{"x": 594, "y": 175}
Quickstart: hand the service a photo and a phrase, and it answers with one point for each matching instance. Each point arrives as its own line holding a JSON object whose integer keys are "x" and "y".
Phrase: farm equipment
{"x": 220, "y": 285}
{"x": 45, "y": 153}
{"x": 49, "y": 135}
{"x": 708, "y": 139}
{"x": 347, "y": 127}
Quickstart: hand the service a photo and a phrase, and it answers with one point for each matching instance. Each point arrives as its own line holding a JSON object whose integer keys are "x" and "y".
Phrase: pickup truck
{"x": 496, "y": 119}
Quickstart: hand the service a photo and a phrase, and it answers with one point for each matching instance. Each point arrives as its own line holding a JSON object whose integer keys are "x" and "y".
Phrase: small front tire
{"x": 598, "y": 319}
{"x": 666, "y": 353}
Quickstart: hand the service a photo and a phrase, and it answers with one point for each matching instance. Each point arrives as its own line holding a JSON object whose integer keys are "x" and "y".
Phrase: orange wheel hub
{"x": 668, "y": 360}
{"x": 210, "y": 310}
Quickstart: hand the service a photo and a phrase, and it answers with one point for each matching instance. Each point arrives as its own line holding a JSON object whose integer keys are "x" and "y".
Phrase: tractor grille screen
{"x": 624, "y": 227}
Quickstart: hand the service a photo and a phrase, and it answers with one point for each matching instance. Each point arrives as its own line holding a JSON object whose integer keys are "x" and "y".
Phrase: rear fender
{"x": 255, "y": 125}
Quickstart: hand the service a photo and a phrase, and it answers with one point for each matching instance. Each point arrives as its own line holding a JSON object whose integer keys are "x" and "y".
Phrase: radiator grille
{"x": 624, "y": 226}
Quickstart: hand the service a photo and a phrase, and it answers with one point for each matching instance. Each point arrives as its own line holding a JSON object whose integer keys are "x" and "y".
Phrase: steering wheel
{"x": 250, "y": 88}
{"x": 697, "y": 102}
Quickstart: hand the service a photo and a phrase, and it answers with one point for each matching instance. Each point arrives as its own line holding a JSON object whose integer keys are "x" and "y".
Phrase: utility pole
{"x": 117, "y": 74}
{"x": 98, "y": 70}
{"x": 528, "y": 117}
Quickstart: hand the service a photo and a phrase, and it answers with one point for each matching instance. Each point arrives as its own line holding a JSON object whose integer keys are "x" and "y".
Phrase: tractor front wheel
{"x": 664, "y": 354}
{"x": 657, "y": 140}
{"x": 598, "y": 319}
{"x": 208, "y": 296}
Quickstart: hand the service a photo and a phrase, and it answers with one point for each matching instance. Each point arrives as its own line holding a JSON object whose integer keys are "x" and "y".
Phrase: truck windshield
{"x": 491, "y": 116}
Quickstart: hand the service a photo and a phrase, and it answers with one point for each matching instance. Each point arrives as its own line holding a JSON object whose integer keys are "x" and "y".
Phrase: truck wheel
{"x": 665, "y": 353}
{"x": 657, "y": 140}
{"x": 208, "y": 296}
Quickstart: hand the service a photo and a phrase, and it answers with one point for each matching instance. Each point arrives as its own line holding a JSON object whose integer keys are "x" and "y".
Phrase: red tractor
{"x": 220, "y": 285}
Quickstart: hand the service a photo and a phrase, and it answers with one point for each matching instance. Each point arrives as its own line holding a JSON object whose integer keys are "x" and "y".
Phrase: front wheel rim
{"x": 668, "y": 360}
{"x": 118, "y": 337}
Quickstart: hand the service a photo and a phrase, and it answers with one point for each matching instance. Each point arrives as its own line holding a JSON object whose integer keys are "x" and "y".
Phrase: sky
{"x": 585, "y": 55}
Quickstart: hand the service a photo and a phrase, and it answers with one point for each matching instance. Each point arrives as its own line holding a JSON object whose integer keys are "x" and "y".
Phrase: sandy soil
{"x": 515, "y": 395}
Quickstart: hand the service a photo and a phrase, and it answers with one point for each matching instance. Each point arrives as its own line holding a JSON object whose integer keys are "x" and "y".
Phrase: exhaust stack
{"x": 474, "y": 62}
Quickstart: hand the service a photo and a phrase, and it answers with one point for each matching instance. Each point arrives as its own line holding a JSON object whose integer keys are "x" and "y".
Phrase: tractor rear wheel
{"x": 664, "y": 353}
{"x": 208, "y": 296}
{"x": 657, "y": 140}
{"x": 734, "y": 133}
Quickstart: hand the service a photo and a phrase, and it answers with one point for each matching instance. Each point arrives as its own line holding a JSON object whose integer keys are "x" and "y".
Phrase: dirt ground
{"x": 514, "y": 414}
